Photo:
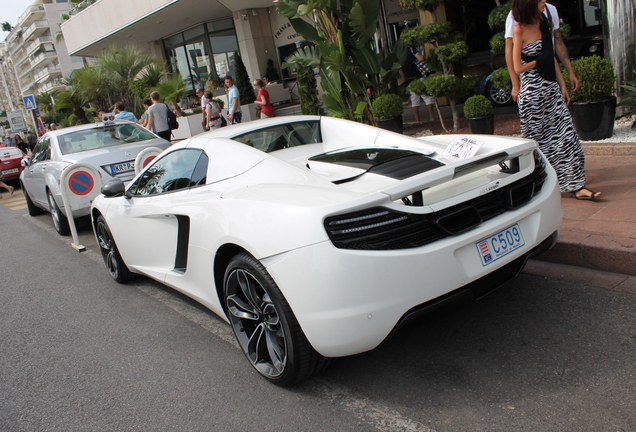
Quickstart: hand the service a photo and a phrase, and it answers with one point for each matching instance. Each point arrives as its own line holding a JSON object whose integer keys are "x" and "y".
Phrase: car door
{"x": 152, "y": 228}
{"x": 35, "y": 173}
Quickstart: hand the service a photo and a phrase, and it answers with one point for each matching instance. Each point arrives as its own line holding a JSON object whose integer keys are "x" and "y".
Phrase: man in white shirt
{"x": 559, "y": 48}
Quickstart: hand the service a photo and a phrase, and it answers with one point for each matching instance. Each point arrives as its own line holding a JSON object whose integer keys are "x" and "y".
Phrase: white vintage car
{"x": 111, "y": 148}
{"x": 316, "y": 237}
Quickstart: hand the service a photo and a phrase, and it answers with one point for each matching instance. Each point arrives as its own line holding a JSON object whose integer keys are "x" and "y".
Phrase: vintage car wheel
{"x": 114, "y": 263}
{"x": 32, "y": 208}
{"x": 265, "y": 326}
{"x": 59, "y": 219}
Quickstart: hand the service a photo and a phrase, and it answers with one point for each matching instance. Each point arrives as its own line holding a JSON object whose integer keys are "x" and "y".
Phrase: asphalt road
{"x": 79, "y": 352}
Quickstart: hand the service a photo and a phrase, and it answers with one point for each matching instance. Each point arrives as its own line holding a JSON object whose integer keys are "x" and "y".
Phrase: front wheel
{"x": 498, "y": 96}
{"x": 265, "y": 326}
{"x": 114, "y": 263}
{"x": 60, "y": 220}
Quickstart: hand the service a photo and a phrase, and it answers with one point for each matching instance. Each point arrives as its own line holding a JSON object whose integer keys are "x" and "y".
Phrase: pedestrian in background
{"x": 212, "y": 112}
{"x": 122, "y": 114}
{"x": 262, "y": 99}
{"x": 234, "y": 105}
{"x": 158, "y": 117}
{"x": 23, "y": 146}
{"x": 204, "y": 102}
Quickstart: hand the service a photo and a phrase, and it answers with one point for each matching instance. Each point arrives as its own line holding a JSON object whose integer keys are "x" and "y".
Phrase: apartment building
{"x": 9, "y": 88}
{"x": 37, "y": 49}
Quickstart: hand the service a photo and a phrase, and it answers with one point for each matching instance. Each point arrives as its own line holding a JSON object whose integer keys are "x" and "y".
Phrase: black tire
{"x": 114, "y": 263}
{"x": 60, "y": 222}
{"x": 33, "y": 209}
{"x": 498, "y": 96}
{"x": 265, "y": 326}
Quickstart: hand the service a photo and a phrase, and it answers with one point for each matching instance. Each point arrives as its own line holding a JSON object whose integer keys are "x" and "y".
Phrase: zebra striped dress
{"x": 545, "y": 118}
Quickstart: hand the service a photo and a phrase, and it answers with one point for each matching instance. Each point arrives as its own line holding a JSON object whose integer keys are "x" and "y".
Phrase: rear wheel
{"x": 498, "y": 96}
{"x": 114, "y": 263}
{"x": 59, "y": 219}
{"x": 265, "y": 326}
{"x": 33, "y": 209}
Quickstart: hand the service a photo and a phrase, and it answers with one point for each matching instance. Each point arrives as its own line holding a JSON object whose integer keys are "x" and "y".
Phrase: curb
{"x": 594, "y": 251}
{"x": 609, "y": 148}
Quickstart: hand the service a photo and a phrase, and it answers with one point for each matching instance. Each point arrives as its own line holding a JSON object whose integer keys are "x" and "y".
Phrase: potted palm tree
{"x": 478, "y": 111}
{"x": 387, "y": 112}
{"x": 594, "y": 106}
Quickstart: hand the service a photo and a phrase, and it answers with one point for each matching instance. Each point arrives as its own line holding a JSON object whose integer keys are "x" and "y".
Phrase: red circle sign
{"x": 81, "y": 183}
{"x": 148, "y": 160}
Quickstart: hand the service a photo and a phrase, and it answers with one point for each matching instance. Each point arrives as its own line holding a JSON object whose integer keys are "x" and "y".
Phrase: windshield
{"x": 101, "y": 137}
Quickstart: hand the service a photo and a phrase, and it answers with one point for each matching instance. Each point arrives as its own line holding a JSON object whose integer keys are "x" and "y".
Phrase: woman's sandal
{"x": 591, "y": 197}
{"x": 11, "y": 191}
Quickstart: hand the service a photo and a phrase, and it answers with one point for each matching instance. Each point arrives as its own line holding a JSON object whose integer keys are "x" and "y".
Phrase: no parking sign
{"x": 146, "y": 156}
{"x": 81, "y": 183}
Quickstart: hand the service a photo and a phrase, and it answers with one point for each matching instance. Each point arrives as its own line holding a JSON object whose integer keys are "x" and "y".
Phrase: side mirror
{"x": 113, "y": 188}
{"x": 25, "y": 162}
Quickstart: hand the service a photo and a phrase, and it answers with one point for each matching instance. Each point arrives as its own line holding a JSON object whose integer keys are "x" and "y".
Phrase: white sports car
{"x": 316, "y": 237}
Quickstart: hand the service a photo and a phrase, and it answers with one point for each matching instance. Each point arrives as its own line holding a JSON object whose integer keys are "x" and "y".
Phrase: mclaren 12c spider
{"x": 316, "y": 237}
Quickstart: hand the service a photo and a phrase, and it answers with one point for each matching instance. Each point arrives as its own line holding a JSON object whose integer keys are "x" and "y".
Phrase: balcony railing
{"x": 81, "y": 6}
{"x": 30, "y": 10}
{"x": 42, "y": 24}
{"x": 36, "y": 43}
{"x": 41, "y": 57}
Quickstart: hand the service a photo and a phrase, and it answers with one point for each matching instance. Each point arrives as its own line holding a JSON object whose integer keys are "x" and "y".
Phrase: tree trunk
{"x": 453, "y": 105}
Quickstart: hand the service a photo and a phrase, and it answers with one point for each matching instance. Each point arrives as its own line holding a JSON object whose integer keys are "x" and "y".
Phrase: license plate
{"x": 122, "y": 167}
{"x": 10, "y": 171}
{"x": 499, "y": 245}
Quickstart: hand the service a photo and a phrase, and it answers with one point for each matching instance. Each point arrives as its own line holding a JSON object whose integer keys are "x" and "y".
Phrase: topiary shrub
{"x": 501, "y": 78}
{"x": 596, "y": 79}
{"x": 477, "y": 106}
{"x": 387, "y": 106}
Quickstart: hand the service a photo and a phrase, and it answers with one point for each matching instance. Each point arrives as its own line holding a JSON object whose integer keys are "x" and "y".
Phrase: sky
{"x": 11, "y": 11}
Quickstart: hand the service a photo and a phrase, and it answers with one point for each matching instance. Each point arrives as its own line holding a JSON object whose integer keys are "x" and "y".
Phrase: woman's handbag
{"x": 421, "y": 66}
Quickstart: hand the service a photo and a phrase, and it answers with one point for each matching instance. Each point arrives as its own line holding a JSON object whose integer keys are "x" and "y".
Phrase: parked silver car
{"x": 111, "y": 148}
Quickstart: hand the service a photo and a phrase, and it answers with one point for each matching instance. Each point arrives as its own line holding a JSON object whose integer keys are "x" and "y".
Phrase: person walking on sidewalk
{"x": 233, "y": 98}
{"x": 158, "y": 117}
{"x": 543, "y": 98}
{"x": 4, "y": 185}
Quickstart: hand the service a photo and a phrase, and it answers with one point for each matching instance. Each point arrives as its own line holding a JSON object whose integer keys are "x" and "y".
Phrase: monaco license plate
{"x": 10, "y": 171}
{"x": 122, "y": 167}
{"x": 499, "y": 245}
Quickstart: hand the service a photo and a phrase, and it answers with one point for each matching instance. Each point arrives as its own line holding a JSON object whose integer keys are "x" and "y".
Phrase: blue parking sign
{"x": 29, "y": 102}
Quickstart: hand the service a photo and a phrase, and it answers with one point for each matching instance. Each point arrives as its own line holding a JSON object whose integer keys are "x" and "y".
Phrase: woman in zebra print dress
{"x": 543, "y": 98}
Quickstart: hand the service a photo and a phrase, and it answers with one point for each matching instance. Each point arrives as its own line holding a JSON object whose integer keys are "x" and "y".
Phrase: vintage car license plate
{"x": 499, "y": 245}
{"x": 122, "y": 167}
{"x": 10, "y": 171}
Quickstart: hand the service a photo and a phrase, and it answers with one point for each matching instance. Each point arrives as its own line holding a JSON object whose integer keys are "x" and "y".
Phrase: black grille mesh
{"x": 379, "y": 228}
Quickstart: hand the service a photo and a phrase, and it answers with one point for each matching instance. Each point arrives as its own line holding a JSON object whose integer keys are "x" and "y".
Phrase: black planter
{"x": 594, "y": 120}
{"x": 482, "y": 125}
{"x": 393, "y": 124}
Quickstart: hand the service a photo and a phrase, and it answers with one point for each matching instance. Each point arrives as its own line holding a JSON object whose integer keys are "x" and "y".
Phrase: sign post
{"x": 145, "y": 157}
{"x": 80, "y": 183}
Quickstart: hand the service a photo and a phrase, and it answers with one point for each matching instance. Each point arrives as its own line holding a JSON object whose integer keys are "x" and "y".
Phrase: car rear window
{"x": 282, "y": 136}
{"x": 10, "y": 152}
{"x": 102, "y": 136}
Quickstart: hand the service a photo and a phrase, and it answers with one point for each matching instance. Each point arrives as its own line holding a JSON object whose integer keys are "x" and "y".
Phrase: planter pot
{"x": 482, "y": 125}
{"x": 594, "y": 120}
{"x": 394, "y": 124}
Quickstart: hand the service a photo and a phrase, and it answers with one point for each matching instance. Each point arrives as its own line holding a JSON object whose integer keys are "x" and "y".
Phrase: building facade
{"x": 38, "y": 51}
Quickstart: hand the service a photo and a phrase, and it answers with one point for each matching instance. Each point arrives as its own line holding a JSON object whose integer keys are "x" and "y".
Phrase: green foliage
{"x": 434, "y": 33}
{"x": 426, "y": 5}
{"x": 418, "y": 87}
{"x": 444, "y": 86}
{"x": 308, "y": 92}
{"x": 453, "y": 52}
{"x": 6, "y": 26}
{"x": 498, "y": 43}
{"x": 596, "y": 79}
{"x": 343, "y": 36}
{"x": 387, "y": 106}
{"x": 242, "y": 81}
{"x": 477, "y": 106}
{"x": 501, "y": 78}
{"x": 271, "y": 71}
{"x": 565, "y": 30}
{"x": 172, "y": 90}
{"x": 497, "y": 17}
{"x": 220, "y": 102}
